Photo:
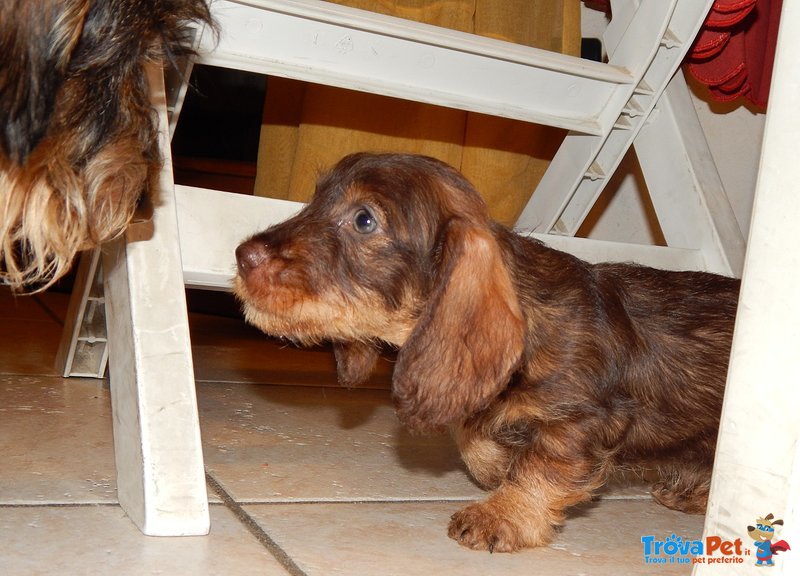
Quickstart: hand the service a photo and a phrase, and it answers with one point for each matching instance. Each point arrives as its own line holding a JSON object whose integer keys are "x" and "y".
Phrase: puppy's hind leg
{"x": 684, "y": 488}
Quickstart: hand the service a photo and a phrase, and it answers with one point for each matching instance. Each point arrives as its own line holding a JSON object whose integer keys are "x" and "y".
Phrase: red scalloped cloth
{"x": 735, "y": 48}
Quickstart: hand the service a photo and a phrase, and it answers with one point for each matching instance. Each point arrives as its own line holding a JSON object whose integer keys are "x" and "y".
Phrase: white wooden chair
{"x": 636, "y": 99}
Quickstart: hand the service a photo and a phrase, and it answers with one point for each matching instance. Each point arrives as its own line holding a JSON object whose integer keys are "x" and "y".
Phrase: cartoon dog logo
{"x": 762, "y": 534}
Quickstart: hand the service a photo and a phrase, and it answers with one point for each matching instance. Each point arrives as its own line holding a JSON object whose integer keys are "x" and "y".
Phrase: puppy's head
{"x": 400, "y": 249}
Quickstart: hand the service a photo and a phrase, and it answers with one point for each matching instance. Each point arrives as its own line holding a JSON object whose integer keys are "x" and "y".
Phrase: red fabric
{"x": 602, "y": 5}
{"x": 734, "y": 51}
{"x": 735, "y": 48}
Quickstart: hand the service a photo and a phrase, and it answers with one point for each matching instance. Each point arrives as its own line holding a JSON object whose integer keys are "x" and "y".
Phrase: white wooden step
{"x": 350, "y": 48}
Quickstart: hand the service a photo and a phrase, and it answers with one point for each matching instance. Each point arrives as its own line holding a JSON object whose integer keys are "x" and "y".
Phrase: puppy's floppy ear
{"x": 354, "y": 361}
{"x": 468, "y": 340}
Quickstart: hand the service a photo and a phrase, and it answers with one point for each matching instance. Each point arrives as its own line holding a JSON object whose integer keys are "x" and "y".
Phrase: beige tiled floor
{"x": 305, "y": 478}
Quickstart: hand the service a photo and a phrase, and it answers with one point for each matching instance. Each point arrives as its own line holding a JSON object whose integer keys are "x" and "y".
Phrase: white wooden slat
{"x": 595, "y": 251}
{"x": 685, "y": 187}
{"x": 340, "y": 46}
{"x": 583, "y": 163}
{"x": 209, "y": 261}
{"x": 212, "y": 224}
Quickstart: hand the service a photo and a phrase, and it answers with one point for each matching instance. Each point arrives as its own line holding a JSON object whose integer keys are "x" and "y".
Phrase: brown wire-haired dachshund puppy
{"x": 550, "y": 371}
{"x": 78, "y": 136}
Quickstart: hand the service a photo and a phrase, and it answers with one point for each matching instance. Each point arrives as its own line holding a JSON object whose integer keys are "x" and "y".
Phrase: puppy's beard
{"x": 306, "y": 322}
{"x": 310, "y": 319}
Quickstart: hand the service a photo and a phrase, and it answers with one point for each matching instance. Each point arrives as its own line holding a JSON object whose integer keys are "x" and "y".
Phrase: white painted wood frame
{"x": 757, "y": 467}
{"x": 158, "y": 452}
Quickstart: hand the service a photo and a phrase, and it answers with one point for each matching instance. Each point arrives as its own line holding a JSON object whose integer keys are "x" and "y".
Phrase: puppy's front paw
{"x": 488, "y": 526}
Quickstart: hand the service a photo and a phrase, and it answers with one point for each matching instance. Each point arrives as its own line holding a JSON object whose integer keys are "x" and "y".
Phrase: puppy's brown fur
{"x": 77, "y": 132}
{"x": 551, "y": 371}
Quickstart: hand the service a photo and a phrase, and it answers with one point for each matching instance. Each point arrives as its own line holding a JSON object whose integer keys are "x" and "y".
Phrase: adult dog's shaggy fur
{"x": 77, "y": 132}
{"x": 550, "y": 371}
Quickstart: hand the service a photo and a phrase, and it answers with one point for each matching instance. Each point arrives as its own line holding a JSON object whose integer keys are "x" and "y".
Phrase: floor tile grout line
{"x": 253, "y": 527}
{"x": 277, "y": 384}
{"x": 382, "y": 501}
{"x": 60, "y": 505}
{"x": 311, "y": 501}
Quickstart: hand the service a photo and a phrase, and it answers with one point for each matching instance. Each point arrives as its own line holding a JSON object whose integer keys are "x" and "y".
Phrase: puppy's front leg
{"x": 529, "y": 502}
{"x": 509, "y": 520}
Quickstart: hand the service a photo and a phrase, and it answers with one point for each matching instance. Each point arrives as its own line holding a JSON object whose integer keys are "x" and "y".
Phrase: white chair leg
{"x": 160, "y": 475}
{"x": 757, "y": 469}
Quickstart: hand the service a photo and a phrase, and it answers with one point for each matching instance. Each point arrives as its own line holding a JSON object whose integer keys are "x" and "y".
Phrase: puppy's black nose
{"x": 250, "y": 255}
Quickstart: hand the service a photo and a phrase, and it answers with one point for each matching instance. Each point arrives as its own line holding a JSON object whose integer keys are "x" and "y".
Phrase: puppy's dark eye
{"x": 364, "y": 222}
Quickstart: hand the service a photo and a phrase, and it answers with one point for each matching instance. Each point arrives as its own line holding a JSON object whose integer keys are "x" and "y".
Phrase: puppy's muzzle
{"x": 249, "y": 256}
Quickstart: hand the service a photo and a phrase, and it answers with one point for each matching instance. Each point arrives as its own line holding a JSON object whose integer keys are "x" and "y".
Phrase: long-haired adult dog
{"x": 77, "y": 131}
{"x": 550, "y": 371}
